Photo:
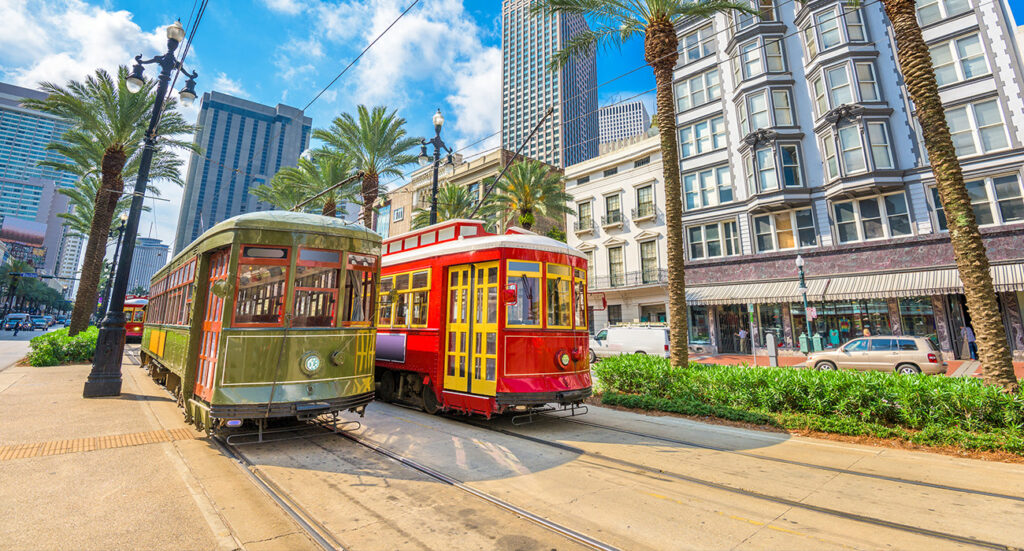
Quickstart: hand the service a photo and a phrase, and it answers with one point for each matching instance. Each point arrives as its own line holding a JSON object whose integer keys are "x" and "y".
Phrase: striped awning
{"x": 1006, "y": 277}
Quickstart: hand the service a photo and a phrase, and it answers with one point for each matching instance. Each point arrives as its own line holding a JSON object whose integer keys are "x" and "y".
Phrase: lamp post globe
{"x": 137, "y": 79}
{"x": 175, "y": 31}
{"x": 423, "y": 159}
{"x": 438, "y": 120}
{"x": 799, "y": 261}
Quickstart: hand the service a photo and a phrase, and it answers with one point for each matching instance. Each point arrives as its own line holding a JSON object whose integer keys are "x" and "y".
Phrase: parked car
{"x": 62, "y": 320}
{"x": 39, "y": 322}
{"x": 906, "y": 355}
{"x": 50, "y": 320}
{"x": 629, "y": 339}
{"x": 10, "y": 320}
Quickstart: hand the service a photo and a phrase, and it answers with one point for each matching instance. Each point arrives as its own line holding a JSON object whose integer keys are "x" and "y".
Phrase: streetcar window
{"x": 559, "y": 289}
{"x": 317, "y": 274}
{"x": 264, "y": 252}
{"x": 525, "y": 277}
{"x": 580, "y": 298}
{"x": 360, "y": 289}
{"x": 261, "y": 294}
{"x": 139, "y": 314}
{"x": 408, "y": 301}
{"x": 384, "y": 317}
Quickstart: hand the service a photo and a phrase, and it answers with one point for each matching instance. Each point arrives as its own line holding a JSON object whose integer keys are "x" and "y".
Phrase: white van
{"x": 629, "y": 339}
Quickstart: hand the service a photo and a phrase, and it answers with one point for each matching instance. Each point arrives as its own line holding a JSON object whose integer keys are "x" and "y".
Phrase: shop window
{"x": 559, "y": 296}
{"x": 316, "y": 288}
{"x": 359, "y": 290}
{"x": 262, "y": 286}
{"x": 917, "y": 318}
{"x": 526, "y": 311}
{"x": 770, "y": 318}
{"x": 699, "y": 325}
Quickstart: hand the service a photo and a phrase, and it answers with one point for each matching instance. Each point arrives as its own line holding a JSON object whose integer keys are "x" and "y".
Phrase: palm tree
{"x": 529, "y": 188}
{"x": 376, "y": 143}
{"x": 454, "y": 201}
{"x": 105, "y": 140}
{"x": 614, "y": 22}
{"x": 971, "y": 260}
{"x": 294, "y": 184}
{"x": 82, "y": 203}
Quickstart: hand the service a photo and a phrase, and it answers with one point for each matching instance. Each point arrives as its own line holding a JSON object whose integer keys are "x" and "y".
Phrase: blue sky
{"x": 444, "y": 54}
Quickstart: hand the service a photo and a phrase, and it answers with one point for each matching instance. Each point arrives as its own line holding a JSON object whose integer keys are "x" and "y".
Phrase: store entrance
{"x": 652, "y": 313}
{"x": 731, "y": 320}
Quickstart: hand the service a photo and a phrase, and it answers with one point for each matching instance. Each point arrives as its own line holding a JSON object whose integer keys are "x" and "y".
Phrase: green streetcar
{"x": 266, "y": 315}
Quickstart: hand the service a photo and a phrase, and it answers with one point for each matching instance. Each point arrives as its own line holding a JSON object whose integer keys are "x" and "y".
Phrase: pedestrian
{"x": 967, "y": 335}
{"x": 743, "y": 340}
{"x": 867, "y": 332}
{"x": 17, "y": 325}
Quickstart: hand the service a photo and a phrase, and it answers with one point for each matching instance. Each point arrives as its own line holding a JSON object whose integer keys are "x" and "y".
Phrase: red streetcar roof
{"x": 459, "y": 236}
{"x": 136, "y": 302}
{"x": 442, "y": 232}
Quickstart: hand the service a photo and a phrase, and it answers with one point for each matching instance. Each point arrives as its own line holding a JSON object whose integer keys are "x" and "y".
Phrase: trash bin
{"x": 816, "y": 343}
{"x": 803, "y": 344}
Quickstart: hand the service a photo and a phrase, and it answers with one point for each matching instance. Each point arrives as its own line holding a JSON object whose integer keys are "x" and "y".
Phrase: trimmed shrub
{"x": 56, "y": 347}
{"x": 923, "y": 409}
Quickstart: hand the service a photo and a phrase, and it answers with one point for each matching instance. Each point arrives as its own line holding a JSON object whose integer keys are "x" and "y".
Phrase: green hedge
{"x": 56, "y": 347}
{"x": 923, "y": 409}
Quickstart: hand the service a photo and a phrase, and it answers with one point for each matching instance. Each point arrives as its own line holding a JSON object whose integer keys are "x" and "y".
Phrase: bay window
{"x": 765, "y": 164}
{"x": 831, "y": 160}
{"x": 750, "y": 60}
{"x": 707, "y": 188}
{"x": 867, "y": 83}
{"x": 785, "y": 230}
{"x": 855, "y": 82}
{"x": 958, "y": 59}
{"x": 878, "y": 136}
{"x": 851, "y": 149}
{"x": 832, "y": 27}
{"x": 827, "y": 23}
{"x": 698, "y": 90}
{"x": 759, "y": 56}
{"x": 765, "y": 9}
{"x": 713, "y": 240}
{"x": 756, "y": 112}
{"x": 872, "y": 218}
{"x": 839, "y": 90}
{"x": 782, "y": 107}
{"x": 977, "y": 128}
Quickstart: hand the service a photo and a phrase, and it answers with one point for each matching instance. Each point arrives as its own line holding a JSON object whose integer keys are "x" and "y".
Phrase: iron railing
{"x": 645, "y": 211}
{"x": 584, "y": 224}
{"x": 612, "y": 218}
{"x": 653, "y": 276}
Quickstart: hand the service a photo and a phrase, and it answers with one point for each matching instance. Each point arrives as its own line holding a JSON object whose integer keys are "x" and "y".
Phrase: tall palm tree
{"x": 376, "y": 142}
{"x": 613, "y": 22}
{"x": 971, "y": 260}
{"x": 530, "y": 188}
{"x": 294, "y": 184}
{"x": 454, "y": 201}
{"x": 105, "y": 139}
{"x": 82, "y": 205}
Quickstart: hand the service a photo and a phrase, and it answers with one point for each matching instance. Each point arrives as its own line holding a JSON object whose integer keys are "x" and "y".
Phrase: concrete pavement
{"x": 119, "y": 473}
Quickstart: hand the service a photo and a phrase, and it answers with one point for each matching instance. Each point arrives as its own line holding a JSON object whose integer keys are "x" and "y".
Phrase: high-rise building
{"x": 150, "y": 255}
{"x": 529, "y": 89}
{"x": 799, "y": 146}
{"x": 623, "y": 120}
{"x": 244, "y": 144}
{"x": 24, "y": 135}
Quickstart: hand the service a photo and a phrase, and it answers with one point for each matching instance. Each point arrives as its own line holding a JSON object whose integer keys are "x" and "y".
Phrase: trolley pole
{"x": 105, "y": 377}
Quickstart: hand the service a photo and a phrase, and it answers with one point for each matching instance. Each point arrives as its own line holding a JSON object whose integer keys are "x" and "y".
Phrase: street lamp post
{"x": 424, "y": 159}
{"x": 803, "y": 291}
{"x": 105, "y": 377}
{"x": 113, "y": 267}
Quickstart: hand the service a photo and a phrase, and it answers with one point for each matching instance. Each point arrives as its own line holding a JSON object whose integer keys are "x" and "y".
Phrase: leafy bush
{"x": 936, "y": 410}
{"x": 56, "y": 347}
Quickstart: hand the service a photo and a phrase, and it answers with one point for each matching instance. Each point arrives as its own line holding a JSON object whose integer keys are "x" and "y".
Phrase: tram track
{"x": 661, "y": 475}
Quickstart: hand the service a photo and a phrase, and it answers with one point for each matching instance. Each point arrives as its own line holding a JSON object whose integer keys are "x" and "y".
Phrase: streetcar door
{"x": 212, "y": 318}
{"x": 456, "y": 350}
{"x": 483, "y": 376}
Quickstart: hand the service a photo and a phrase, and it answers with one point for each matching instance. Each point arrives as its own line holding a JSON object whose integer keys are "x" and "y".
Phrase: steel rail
{"x": 318, "y": 532}
{"x": 564, "y": 531}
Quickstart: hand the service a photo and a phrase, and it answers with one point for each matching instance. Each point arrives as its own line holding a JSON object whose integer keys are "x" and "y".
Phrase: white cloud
{"x": 290, "y": 7}
{"x": 227, "y": 85}
{"x": 476, "y": 100}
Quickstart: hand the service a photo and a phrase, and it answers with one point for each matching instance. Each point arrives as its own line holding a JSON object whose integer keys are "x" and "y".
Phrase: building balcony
{"x": 641, "y": 278}
{"x": 584, "y": 225}
{"x": 612, "y": 219}
{"x": 645, "y": 213}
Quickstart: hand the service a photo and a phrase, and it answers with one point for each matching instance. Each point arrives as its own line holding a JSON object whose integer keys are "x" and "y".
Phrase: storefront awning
{"x": 1007, "y": 277}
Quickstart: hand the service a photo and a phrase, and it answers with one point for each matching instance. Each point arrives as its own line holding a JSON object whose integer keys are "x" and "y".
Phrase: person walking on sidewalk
{"x": 967, "y": 335}
{"x": 743, "y": 340}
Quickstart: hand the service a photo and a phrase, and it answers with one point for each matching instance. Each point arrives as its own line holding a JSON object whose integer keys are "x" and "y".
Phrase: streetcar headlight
{"x": 563, "y": 358}
{"x": 310, "y": 363}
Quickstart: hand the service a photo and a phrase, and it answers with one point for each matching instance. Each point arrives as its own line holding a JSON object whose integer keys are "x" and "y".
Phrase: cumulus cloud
{"x": 290, "y": 7}
{"x": 229, "y": 86}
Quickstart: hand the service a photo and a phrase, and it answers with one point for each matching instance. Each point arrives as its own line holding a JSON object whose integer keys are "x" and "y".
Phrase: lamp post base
{"x": 105, "y": 377}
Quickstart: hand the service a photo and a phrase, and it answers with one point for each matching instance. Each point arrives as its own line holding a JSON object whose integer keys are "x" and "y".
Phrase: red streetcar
{"x": 134, "y": 316}
{"x": 482, "y": 323}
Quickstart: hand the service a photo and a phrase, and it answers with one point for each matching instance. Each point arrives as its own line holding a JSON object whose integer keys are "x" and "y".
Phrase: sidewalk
{"x": 120, "y": 473}
{"x": 798, "y": 361}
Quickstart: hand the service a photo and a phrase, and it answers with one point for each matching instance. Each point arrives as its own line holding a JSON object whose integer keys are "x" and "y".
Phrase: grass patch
{"x": 925, "y": 410}
{"x": 56, "y": 347}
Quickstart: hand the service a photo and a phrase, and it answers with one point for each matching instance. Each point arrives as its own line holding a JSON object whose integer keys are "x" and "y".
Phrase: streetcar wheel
{"x": 387, "y": 386}
{"x": 430, "y": 403}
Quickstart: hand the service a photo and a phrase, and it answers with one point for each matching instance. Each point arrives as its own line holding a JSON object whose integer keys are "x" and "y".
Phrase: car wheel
{"x": 641, "y": 352}
{"x": 593, "y": 356}
{"x": 908, "y": 369}
{"x": 825, "y": 366}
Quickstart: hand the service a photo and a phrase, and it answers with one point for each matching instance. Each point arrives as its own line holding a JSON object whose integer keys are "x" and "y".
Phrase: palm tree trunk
{"x": 971, "y": 260}
{"x": 369, "y": 192}
{"x": 660, "y": 53}
{"x": 96, "y": 249}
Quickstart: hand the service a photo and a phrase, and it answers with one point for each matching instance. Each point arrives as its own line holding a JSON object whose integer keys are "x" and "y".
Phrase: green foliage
{"x": 556, "y": 234}
{"x": 56, "y": 347}
{"x": 30, "y": 292}
{"x": 294, "y": 184}
{"x": 454, "y": 201}
{"x": 528, "y": 189}
{"x": 926, "y": 410}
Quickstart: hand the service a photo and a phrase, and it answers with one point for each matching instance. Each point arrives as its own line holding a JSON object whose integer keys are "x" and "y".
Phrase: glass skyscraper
{"x": 529, "y": 88}
{"x": 244, "y": 144}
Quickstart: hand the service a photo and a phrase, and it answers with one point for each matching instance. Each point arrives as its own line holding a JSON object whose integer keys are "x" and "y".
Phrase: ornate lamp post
{"x": 105, "y": 377}
{"x": 803, "y": 291}
{"x": 117, "y": 250}
{"x": 424, "y": 159}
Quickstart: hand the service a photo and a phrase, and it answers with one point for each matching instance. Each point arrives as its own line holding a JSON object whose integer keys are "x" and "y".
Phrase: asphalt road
{"x": 14, "y": 348}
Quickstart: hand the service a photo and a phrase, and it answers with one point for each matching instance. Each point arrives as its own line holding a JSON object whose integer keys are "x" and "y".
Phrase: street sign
{"x": 25, "y": 274}
{"x": 812, "y": 312}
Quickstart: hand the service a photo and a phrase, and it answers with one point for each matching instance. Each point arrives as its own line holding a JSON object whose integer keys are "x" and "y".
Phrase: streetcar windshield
{"x": 317, "y": 274}
{"x": 525, "y": 278}
{"x": 359, "y": 289}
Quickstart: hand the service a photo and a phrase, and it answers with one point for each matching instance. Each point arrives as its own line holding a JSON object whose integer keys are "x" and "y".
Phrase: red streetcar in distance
{"x": 134, "y": 316}
{"x": 482, "y": 323}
